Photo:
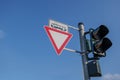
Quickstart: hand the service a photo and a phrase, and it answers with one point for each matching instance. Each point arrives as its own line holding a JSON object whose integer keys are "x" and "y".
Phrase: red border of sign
{"x": 58, "y": 51}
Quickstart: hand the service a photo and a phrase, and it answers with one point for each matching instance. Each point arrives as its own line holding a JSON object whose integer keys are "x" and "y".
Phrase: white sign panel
{"x": 58, "y": 38}
{"x": 58, "y": 25}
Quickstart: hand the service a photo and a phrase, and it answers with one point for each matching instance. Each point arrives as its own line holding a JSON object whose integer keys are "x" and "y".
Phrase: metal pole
{"x": 73, "y": 27}
{"x": 83, "y": 49}
{"x": 71, "y": 50}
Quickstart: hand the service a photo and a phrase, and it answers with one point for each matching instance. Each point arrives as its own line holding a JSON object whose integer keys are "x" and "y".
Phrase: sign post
{"x": 59, "y": 37}
{"x": 83, "y": 49}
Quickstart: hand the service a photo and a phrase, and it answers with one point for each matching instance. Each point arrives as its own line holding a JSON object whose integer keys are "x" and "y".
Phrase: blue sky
{"x": 26, "y": 52}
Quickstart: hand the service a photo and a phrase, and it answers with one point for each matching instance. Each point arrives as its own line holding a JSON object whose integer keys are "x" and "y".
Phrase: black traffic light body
{"x": 94, "y": 69}
{"x": 99, "y": 43}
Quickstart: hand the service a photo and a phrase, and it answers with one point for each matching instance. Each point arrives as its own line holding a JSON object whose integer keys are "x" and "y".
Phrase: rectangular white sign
{"x": 58, "y": 25}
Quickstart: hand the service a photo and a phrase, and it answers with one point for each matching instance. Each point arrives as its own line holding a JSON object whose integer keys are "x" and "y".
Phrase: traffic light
{"x": 99, "y": 42}
{"x": 94, "y": 68}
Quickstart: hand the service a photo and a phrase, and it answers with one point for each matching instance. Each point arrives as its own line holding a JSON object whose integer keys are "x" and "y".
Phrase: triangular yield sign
{"x": 59, "y": 39}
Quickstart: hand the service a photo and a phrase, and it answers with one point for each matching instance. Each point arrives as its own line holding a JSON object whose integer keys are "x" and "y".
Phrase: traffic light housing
{"x": 94, "y": 69}
{"x": 99, "y": 42}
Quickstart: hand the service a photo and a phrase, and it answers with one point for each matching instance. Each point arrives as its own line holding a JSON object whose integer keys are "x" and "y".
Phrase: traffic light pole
{"x": 83, "y": 49}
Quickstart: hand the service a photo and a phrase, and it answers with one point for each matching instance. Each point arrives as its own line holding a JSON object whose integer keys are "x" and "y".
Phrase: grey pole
{"x": 83, "y": 49}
